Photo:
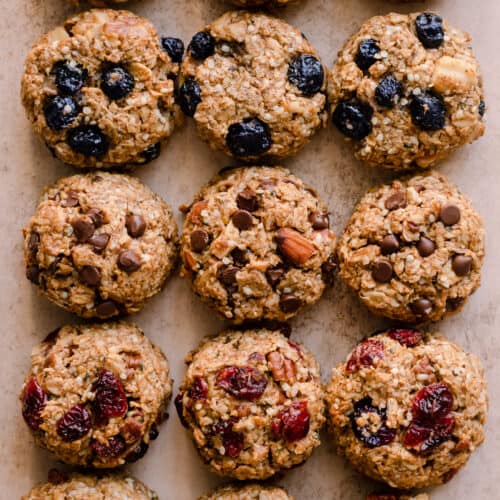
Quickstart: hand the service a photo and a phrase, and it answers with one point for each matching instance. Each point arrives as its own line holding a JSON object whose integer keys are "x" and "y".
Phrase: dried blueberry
{"x": 60, "y": 111}
{"x": 69, "y": 78}
{"x": 88, "y": 140}
{"x": 428, "y": 111}
{"x": 138, "y": 452}
{"x": 429, "y": 29}
{"x": 481, "y": 108}
{"x": 372, "y": 439}
{"x": 116, "y": 82}
{"x": 365, "y": 56}
{"x": 306, "y": 73}
{"x": 251, "y": 137}
{"x": 174, "y": 47}
{"x": 388, "y": 91}
{"x": 353, "y": 118}
{"x": 202, "y": 45}
{"x": 151, "y": 152}
{"x": 189, "y": 96}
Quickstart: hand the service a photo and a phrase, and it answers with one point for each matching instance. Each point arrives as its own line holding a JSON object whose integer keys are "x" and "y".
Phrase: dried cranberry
{"x": 406, "y": 336}
{"x": 115, "y": 447}
{"x": 427, "y": 437}
{"x": 110, "y": 399}
{"x": 365, "y": 354}
{"x": 231, "y": 440}
{"x": 74, "y": 424}
{"x": 245, "y": 383}
{"x": 372, "y": 439}
{"x": 34, "y": 400}
{"x": 198, "y": 391}
{"x": 138, "y": 452}
{"x": 179, "y": 407}
{"x": 431, "y": 403}
{"x": 294, "y": 422}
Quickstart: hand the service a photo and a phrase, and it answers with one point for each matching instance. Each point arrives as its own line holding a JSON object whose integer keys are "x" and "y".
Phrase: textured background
{"x": 175, "y": 319}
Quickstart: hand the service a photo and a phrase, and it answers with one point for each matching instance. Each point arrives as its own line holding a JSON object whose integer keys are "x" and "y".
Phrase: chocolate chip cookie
{"x": 99, "y": 90}
{"x": 413, "y": 249}
{"x": 253, "y": 402}
{"x": 256, "y": 244}
{"x": 100, "y": 244}
{"x": 407, "y": 90}
{"x": 95, "y": 394}
{"x": 254, "y": 86}
{"x": 407, "y": 408}
{"x": 248, "y": 492}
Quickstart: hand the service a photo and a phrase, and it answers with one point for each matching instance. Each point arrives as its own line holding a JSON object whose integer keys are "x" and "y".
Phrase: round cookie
{"x": 254, "y": 85}
{"x": 100, "y": 244}
{"x": 407, "y": 409}
{"x": 261, "y": 3}
{"x": 253, "y": 403}
{"x": 95, "y": 394}
{"x": 99, "y": 90}
{"x": 413, "y": 249}
{"x": 248, "y": 492}
{"x": 407, "y": 90}
{"x": 90, "y": 487}
{"x": 256, "y": 244}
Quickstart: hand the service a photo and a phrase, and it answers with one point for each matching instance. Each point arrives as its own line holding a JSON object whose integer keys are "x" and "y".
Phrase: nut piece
{"x": 294, "y": 246}
{"x": 453, "y": 75}
{"x": 282, "y": 368}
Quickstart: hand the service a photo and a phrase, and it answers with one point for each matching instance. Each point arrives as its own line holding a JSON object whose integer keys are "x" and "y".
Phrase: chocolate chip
{"x": 136, "y": 225}
{"x": 239, "y": 256}
{"x": 396, "y": 200}
{"x": 199, "y": 240}
{"x": 449, "y": 214}
{"x": 33, "y": 243}
{"x": 389, "y": 244}
{"x": 274, "y": 275}
{"x": 289, "y": 303}
{"x": 319, "y": 220}
{"x": 227, "y": 275}
{"x": 83, "y": 230}
{"x": 97, "y": 216}
{"x": 247, "y": 200}
{"x": 129, "y": 261}
{"x": 382, "y": 271}
{"x": 99, "y": 241}
{"x": 454, "y": 303}
{"x": 90, "y": 275}
{"x": 71, "y": 199}
{"x": 421, "y": 307}
{"x": 242, "y": 219}
{"x": 328, "y": 270}
{"x": 33, "y": 274}
{"x": 425, "y": 247}
{"x": 461, "y": 264}
{"x": 107, "y": 309}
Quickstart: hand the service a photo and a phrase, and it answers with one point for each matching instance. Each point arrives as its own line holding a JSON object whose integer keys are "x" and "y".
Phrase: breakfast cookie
{"x": 254, "y": 85}
{"x": 407, "y": 90}
{"x": 90, "y": 487}
{"x": 248, "y": 492}
{"x": 100, "y": 244}
{"x": 256, "y": 244}
{"x": 253, "y": 402}
{"x": 397, "y": 496}
{"x": 413, "y": 249}
{"x": 407, "y": 408}
{"x": 100, "y": 90}
{"x": 95, "y": 394}
{"x": 262, "y": 3}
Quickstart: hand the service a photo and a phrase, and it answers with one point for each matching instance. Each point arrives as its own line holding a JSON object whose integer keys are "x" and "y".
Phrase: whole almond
{"x": 294, "y": 246}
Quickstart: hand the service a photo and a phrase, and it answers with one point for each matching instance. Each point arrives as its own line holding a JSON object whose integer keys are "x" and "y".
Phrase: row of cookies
{"x": 103, "y": 91}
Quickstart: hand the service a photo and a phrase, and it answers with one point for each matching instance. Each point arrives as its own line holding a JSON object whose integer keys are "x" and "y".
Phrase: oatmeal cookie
{"x": 254, "y": 85}
{"x": 100, "y": 91}
{"x": 95, "y": 394}
{"x": 256, "y": 244}
{"x": 413, "y": 249}
{"x": 90, "y": 487}
{"x": 100, "y": 244}
{"x": 407, "y": 408}
{"x": 408, "y": 90}
{"x": 248, "y": 492}
{"x": 253, "y": 402}
{"x": 262, "y": 3}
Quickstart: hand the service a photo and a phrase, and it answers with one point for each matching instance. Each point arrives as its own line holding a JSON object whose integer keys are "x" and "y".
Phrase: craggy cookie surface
{"x": 253, "y": 401}
{"x": 256, "y": 244}
{"x": 99, "y": 90}
{"x": 413, "y": 249}
{"x": 96, "y": 393}
{"x": 100, "y": 244}
{"x": 408, "y": 409}
{"x": 254, "y": 85}
{"x": 248, "y": 492}
{"x": 407, "y": 90}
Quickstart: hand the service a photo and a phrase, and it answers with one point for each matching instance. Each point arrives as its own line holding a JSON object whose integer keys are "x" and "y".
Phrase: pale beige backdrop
{"x": 175, "y": 319}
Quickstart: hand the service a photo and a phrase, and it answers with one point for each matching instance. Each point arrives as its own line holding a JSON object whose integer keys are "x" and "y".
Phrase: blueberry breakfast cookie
{"x": 253, "y": 401}
{"x": 248, "y": 492}
{"x": 413, "y": 249}
{"x": 95, "y": 394}
{"x": 256, "y": 244}
{"x": 100, "y": 244}
{"x": 254, "y": 85}
{"x": 90, "y": 487}
{"x": 99, "y": 90}
{"x": 407, "y": 408}
{"x": 407, "y": 90}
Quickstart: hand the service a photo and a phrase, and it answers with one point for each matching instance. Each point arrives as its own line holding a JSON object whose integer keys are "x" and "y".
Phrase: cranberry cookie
{"x": 248, "y": 492}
